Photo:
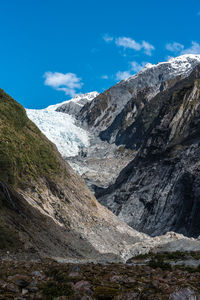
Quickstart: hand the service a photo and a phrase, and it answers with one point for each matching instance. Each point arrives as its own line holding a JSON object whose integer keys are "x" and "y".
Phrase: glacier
{"x": 59, "y": 122}
{"x": 61, "y": 128}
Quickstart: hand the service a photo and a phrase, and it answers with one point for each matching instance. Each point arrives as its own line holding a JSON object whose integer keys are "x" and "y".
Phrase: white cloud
{"x": 104, "y": 77}
{"x": 174, "y": 47}
{"x": 194, "y": 49}
{"x": 127, "y": 42}
{"x": 122, "y": 75}
{"x": 179, "y": 48}
{"x": 107, "y": 38}
{"x": 67, "y": 83}
{"x": 148, "y": 48}
{"x": 136, "y": 67}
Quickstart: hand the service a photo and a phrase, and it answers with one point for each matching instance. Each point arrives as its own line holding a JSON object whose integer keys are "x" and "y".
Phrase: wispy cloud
{"x": 194, "y": 49}
{"x": 148, "y": 48}
{"x": 107, "y": 38}
{"x": 68, "y": 82}
{"x": 129, "y": 43}
{"x": 180, "y": 49}
{"x": 135, "y": 67}
{"x": 104, "y": 77}
{"x": 122, "y": 75}
{"x": 174, "y": 47}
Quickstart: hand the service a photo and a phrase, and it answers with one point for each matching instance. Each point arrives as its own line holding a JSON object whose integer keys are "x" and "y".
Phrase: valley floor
{"x": 51, "y": 280}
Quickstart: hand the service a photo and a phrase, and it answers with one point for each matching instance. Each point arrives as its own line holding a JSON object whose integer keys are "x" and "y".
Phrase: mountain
{"x": 113, "y": 119}
{"x": 110, "y": 112}
{"x": 100, "y": 134}
{"x": 142, "y": 158}
{"x": 159, "y": 189}
{"x": 45, "y": 208}
{"x": 156, "y": 129}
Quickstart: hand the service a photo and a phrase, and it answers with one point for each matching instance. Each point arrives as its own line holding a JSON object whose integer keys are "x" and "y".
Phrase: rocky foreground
{"x": 156, "y": 279}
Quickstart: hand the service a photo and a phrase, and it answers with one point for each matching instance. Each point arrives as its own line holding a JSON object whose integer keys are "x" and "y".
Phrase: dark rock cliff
{"x": 159, "y": 190}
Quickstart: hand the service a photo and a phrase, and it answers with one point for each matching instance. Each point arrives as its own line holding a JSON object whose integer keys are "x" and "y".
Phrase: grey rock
{"x": 159, "y": 190}
{"x": 73, "y": 106}
{"x": 185, "y": 294}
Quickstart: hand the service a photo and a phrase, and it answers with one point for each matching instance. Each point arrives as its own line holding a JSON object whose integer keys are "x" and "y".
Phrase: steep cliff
{"x": 115, "y": 119}
{"x": 159, "y": 190}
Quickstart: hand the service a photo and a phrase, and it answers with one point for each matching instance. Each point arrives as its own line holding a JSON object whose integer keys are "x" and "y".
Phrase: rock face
{"x": 159, "y": 190}
{"x": 116, "y": 109}
{"x": 113, "y": 119}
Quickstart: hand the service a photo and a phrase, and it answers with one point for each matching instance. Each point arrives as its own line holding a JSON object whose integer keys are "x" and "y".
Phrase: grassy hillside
{"x": 25, "y": 153}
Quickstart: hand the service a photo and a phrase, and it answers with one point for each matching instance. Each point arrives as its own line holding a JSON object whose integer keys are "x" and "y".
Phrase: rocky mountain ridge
{"x": 100, "y": 114}
{"x": 159, "y": 190}
{"x": 73, "y": 106}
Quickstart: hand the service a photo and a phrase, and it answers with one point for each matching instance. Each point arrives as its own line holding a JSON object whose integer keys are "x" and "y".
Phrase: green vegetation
{"x": 52, "y": 289}
{"x": 25, "y": 154}
{"x": 159, "y": 263}
{"x": 8, "y": 239}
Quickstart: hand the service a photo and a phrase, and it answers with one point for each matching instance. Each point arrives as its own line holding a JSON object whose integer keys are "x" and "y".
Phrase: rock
{"x": 22, "y": 283}
{"x": 83, "y": 286}
{"x": 76, "y": 269}
{"x": 33, "y": 289}
{"x": 185, "y": 294}
{"x": 37, "y": 274}
{"x": 74, "y": 274}
{"x": 12, "y": 288}
{"x": 24, "y": 291}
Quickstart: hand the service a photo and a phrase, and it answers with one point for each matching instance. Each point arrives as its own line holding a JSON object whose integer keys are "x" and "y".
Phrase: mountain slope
{"x": 45, "y": 208}
{"x": 159, "y": 190}
{"x": 114, "y": 117}
{"x": 102, "y": 114}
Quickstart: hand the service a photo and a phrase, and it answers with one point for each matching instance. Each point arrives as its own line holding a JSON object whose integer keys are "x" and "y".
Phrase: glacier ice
{"x": 61, "y": 128}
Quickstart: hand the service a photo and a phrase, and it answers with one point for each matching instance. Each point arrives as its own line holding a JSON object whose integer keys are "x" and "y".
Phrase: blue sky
{"x": 51, "y": 50}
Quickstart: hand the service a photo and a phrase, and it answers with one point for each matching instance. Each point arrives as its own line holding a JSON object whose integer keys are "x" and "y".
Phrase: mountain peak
{"x": 180, "y": 65}
{"x": 77, "y": 99}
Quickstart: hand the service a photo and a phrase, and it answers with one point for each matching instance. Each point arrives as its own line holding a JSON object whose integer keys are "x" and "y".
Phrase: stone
{"x": 24, "y": 291}
{"x": 82, "y": 286}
